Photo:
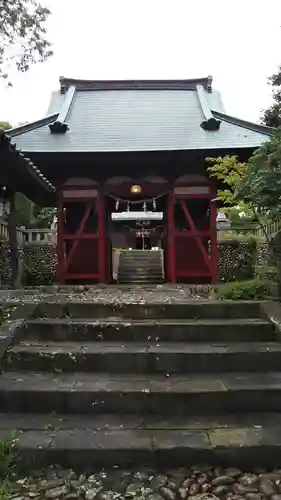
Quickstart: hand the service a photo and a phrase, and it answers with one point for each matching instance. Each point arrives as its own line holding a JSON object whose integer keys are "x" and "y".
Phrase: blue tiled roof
{"x": 137, "y": 116}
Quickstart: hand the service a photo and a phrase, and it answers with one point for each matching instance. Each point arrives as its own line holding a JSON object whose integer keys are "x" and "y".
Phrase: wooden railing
{"x": 271, "y": 229}
{"x": 261, "y": 233}
{"x": 29, "y": 236}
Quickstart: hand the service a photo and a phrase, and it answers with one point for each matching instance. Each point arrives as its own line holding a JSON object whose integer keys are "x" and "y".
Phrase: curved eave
{"x": 21, "y": 175}
{"x": 255, "y": 127}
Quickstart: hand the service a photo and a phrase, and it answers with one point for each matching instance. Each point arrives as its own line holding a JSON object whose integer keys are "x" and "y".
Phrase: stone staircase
{"x": 140, "y": 266}
{"x": 93, "y": 384}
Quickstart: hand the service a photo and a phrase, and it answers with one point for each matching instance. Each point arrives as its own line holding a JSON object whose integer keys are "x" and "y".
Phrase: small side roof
{"x": 142, "y": 115}
{"x": 18, "y": 173}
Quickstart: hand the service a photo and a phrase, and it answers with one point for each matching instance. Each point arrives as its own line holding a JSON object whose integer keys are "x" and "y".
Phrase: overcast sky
{"x": 238, "y": 42}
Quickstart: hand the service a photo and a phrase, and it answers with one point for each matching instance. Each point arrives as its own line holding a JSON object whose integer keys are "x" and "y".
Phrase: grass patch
{"x": 8, "y": 465}
{"x": 255, "y": 289}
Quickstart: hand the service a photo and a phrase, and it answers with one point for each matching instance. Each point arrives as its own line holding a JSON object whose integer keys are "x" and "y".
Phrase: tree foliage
{"x": 5, "y": 125}
{"x": 229, "y": 172}
{"x": 261, "y": 184}
{"x": 23, "y": 39}
{"x": 235, "y": 180}
{"x": 272, "y": 115}
{"x": 254, "y": 186}
{"x": 43, "y": 217}
{"x": 24, "y": 209}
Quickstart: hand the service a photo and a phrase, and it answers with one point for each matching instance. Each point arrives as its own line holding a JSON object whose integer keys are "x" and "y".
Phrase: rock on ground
{"x": 195, "y": 483}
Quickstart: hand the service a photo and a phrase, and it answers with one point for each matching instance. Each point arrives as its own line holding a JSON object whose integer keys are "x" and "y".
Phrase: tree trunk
{"x": 15, "y": 257}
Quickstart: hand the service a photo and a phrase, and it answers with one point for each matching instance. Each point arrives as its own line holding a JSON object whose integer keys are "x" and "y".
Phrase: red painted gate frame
{"x": 192, "y": 233}
{"x": 62, "y": 262}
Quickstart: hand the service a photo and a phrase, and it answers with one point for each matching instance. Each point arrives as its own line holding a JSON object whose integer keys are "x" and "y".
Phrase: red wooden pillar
{"x": 213, "y": 231}
{"x": 102, "y": 250}
{"x": 59, "y": 247}
{"x": 171, "y": 239}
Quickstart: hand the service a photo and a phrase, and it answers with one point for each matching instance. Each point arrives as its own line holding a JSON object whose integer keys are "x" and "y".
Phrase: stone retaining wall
{"x": 236, "y": 260}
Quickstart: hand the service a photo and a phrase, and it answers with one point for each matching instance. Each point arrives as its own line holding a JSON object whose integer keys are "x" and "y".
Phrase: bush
{"x": 255, "y": 289}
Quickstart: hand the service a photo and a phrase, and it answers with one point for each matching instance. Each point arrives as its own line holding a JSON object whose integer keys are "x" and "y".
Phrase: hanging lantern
{"x": 117, "y": 204}
{"x": 154, "y": 204}
{"x": 136, "y": 189}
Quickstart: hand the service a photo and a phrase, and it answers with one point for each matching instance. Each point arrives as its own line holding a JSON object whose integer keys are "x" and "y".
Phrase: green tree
{"x": 272, "y": 115}
{"x": 261, "y": 184}
{"x": 23, "y": 39}
{"x": 229, "y": 172}
{"x": 240, "y": 220}
{"x": 5, "y": 125}
{"x": 43, "y": 217}
{"x": 24, "y": 210}
{"x": 231, "y": 175}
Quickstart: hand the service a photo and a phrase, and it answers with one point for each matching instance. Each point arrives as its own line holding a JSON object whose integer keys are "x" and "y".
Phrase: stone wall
{"x": 38, "y": 265}
{"x": 5, "y": 268}
{"x": 236, "y": 261}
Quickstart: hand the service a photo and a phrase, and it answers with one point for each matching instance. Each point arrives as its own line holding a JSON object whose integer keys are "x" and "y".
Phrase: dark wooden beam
{"x": 14, "y": 249}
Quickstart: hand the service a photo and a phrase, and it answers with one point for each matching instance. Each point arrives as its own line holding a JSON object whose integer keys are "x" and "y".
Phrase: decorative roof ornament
{"x": 210, "y": 123}
{"x": 209, "y": 83}
{"x": 60, "y": 126}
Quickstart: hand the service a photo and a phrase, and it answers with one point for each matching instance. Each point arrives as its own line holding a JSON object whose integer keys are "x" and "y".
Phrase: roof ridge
{"x": 135, "y": 84}
{"x": 256, "y": 127}
{"x": 27, "y": 127}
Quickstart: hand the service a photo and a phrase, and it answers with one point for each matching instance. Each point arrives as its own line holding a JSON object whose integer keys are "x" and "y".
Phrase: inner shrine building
{"x": 128, "y": 161}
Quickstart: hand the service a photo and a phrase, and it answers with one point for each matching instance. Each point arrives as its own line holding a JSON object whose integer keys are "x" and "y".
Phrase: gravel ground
{"x": 195, "y": 483}
{"x": 166, "y": 293}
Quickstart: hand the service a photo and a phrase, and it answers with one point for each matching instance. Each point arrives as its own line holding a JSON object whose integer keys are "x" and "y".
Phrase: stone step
{"x": 145, "y": 264}
{"x": 140, "y": 269}
{"x": 196, "y": 309}
{"x": 145, "y": 358}
{"x": 140, "y": 280}
{"x": 139, "y": 273}
{"x": 139, "y": 263}
{"x": 81, "y": 442}
{"x": 149, "y": 255}
{"x": 207, "y": 394}
{"x": 162, "y": 330}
